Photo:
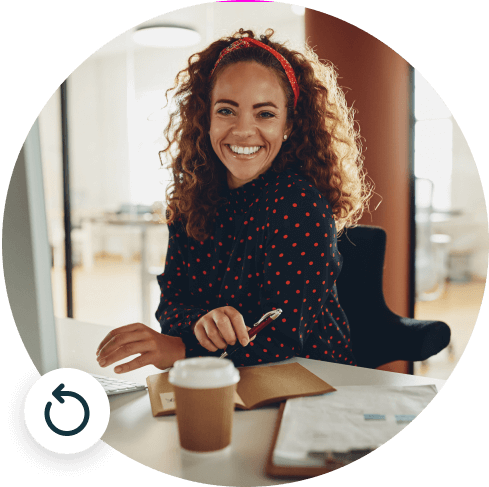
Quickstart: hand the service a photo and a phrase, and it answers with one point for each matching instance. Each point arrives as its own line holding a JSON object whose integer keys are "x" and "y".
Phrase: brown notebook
{"x": 258, "y": 386}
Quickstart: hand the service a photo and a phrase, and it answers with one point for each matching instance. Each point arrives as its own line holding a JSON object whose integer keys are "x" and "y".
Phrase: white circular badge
{"x": 67, "y": 411}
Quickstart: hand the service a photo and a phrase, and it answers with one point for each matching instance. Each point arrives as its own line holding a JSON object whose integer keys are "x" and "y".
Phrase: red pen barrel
{"x": 251, "y": 333}
{"x": 256, "y": 329}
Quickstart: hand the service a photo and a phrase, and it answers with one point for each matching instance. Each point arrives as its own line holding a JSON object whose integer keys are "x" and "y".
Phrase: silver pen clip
{"x": 274, "y": 314}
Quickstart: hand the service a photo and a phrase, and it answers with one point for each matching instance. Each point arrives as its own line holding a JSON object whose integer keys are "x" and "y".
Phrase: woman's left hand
{"x": 155, "y": 349}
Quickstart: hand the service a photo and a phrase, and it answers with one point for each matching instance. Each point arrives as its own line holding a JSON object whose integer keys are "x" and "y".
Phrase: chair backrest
{"x": 360, "y": 281}
{"x": 379, "y": 336}
{"x": 359, "y": 288}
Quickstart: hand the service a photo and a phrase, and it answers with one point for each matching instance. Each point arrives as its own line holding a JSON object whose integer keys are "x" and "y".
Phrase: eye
{"x": 224, "y": 111}
{"x": 266, "y": 115}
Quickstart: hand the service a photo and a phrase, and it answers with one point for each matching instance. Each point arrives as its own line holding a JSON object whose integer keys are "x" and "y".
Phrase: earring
{"x": 285, "y": 137}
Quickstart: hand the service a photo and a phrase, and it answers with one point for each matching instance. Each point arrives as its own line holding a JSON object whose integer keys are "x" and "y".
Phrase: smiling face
{"x": 248, "y": 120}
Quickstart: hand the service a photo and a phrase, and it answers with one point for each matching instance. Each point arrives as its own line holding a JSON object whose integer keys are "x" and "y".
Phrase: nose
{"x": 244, "y": 126}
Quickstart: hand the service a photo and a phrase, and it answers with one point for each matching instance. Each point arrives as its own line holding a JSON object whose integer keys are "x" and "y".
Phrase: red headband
{"x": 249, "y": 42}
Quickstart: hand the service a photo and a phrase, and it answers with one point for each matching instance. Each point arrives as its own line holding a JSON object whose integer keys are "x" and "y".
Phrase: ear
{"x": 288, "y": 128}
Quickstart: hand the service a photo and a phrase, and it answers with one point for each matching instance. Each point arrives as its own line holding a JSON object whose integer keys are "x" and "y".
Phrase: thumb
{"x": 252, "y": 338}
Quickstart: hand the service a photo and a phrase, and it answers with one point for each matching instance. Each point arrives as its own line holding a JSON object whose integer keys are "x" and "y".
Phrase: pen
{"x": 265, "y": 320}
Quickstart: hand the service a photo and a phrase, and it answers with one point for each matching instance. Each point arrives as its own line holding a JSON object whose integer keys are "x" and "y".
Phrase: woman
{"x": 267, "y": 171}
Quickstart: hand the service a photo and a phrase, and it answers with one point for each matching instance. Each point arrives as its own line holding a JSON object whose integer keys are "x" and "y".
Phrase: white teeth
{"x": 244, "y": 150}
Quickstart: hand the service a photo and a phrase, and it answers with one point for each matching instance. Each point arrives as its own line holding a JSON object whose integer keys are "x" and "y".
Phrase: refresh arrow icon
{"x": 58, "y": 394}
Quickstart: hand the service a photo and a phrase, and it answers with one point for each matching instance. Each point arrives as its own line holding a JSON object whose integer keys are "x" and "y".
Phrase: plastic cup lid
{"x": 203, "y": 373}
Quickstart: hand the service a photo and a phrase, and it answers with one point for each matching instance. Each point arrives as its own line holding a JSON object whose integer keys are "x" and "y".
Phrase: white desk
{"x": 133, "y": 431}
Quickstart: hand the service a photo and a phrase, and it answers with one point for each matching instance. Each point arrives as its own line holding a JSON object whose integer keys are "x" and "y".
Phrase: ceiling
{"x": 212, "y": 20}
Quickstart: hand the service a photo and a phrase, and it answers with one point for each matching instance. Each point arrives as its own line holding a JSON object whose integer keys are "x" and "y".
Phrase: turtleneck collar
{"x": 240, "y": 200}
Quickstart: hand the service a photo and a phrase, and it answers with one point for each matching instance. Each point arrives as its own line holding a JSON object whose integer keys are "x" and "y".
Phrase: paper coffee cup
{"x": 204, "y": 399}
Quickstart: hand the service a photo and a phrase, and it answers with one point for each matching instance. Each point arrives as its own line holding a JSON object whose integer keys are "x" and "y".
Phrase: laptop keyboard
{"x": 118, "y": 386}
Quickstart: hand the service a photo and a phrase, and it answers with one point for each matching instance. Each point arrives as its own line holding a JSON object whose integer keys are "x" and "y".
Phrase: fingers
{"x": 125, "y": 351}
{"x": 221, "y": 327}
{"x": 116, "y": 331}
{"x": 247, "y": 333}
{"x": 221, "y": 331}
{"x": 201, "y": 335}
{"x": 144, "y": 359}
{"x": 239, "y": 327}
{"x": 120, "y": 345}
{"x": 215, "y": 331}
{"x": 120, "y": 340}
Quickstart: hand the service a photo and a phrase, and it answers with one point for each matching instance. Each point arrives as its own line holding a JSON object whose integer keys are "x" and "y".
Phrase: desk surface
{"x": 133, "y": 431}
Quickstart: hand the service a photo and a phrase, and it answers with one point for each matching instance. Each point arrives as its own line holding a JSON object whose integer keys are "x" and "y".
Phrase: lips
{"x": 243, "y": 156}
{"x": 237, "y": 149}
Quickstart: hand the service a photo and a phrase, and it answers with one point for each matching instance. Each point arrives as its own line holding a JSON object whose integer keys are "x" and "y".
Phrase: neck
{"x": 235, "y": 183}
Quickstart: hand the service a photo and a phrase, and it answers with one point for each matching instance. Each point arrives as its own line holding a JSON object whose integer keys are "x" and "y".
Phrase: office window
{"x": 433, "y": 142}
{"x": 147, "y": 120}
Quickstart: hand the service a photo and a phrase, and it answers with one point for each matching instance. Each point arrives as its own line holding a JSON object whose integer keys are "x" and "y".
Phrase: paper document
{"x": 346, "y": 424}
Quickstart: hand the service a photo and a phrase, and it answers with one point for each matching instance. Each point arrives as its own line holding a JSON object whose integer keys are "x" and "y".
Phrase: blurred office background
{"x": 115, "y": 120}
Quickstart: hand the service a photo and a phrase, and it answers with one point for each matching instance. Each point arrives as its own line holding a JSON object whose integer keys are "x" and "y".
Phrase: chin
{"x": 245, "y": 174}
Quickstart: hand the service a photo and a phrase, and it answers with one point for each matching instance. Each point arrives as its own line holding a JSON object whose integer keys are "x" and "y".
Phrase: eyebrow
{"x": 257, "y": 105}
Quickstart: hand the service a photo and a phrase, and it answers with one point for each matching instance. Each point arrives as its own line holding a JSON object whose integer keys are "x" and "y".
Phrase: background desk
{"x": 133, "y": 431}
{"x": 143, "y": 223}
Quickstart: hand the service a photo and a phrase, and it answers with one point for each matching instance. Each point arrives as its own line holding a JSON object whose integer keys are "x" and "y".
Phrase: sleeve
{"x": 175, "y": 314}
{"x": 300, "y": 266}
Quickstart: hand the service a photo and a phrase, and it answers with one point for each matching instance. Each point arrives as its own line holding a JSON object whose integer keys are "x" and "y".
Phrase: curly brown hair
{"x": 324, "y": 146}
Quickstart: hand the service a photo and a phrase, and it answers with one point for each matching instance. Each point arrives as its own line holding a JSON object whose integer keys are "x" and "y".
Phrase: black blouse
{"x": 273, "y": 246}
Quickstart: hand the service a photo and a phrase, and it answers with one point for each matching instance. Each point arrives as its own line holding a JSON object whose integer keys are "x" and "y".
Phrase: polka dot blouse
{"x": 273, "y": 246}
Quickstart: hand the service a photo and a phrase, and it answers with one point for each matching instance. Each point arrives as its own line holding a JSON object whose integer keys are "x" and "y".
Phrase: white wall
{"x": 97, "y": 117}
{"x": 154, "y": 73}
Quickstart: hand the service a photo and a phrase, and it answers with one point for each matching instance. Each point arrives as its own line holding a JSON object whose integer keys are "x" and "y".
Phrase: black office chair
{"x": 379, "y": 336}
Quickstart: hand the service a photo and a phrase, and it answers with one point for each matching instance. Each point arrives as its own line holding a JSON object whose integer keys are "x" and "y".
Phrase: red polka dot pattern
{"x": 249, "y": 42}
{"x": 257, "y": 261}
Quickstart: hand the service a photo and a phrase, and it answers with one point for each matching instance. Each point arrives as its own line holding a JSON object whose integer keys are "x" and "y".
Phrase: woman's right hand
{"x": 221, "y": 327}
